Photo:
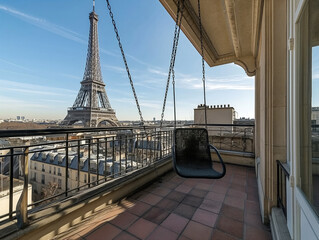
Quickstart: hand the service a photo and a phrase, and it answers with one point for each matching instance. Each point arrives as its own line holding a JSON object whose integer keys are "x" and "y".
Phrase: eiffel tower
{"x": 91, "y": 105}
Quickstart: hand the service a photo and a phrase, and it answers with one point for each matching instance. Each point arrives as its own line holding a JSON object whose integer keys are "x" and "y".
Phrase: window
{"x": 85, "y": 178}
{"x": 43, "y": 179}
{"x": 35, "y": 176}
{"x": 59, "y": 183}
{"x": 35, "y": 166}
{"x": 54, "y": 171}
{"x": 59, "y": 172}
{"x": 43, "y": 169}
{"x": 308, "y": 87}
{"x": 50, "y": 168}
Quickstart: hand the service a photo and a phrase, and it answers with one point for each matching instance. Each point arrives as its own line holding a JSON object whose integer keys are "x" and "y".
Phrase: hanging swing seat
{"x": 192, "y": 156}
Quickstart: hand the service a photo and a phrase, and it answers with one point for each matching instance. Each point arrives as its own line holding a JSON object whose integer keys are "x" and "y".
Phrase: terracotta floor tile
{"x": 184, "y": 210}
{"x": 176, "y": 196}
{"x": 141, "y": 228}
{"x": 251, "y": 189}
{"x": 221, "y": 183}
{"x": 192, "y": 201}
{"x": 192, "y": 182}
{"x": 198, "y": 193}
{"x": 150, "y": 198}
{"x": 124, "y": 220}
{"x": 252, "y": 207}
{"x": 240, "y": 180}
{"x": 183, "y": 188}
{"x": 219, "y": 235}
{"x": 212, "y": 206}
{"x": 253, "y": 197}
{"x": 197, "y": 231}
{"x": 219, "y": 197}
{"x": 140, "y": 208}
{"x": 232, "y": 212}
{"x": 253, "y": 233}
{"x": 175, "y": 223}
{"x": 254, "y": 220}
{"x": 161, "y": 233}
{"x": 125, "y": 236}
{"x": 156, "y": 215}
{"x": 177, "y": 179}
{"x": 230, "y": 226}
{"x": 236, "y": 193}
{"x": 137, "y": 195}
{"x": 169, "y": 185}
{"x": 238, "y": 187}
{"x": 183, "y": 238}
{"x": 203, "y": 186}
{"x": 107, "y": 231}
{"x": 252, "y": 182}
{"x": 167, "y": 204}
{"x": 219, "y": 189}
{"x": 161, "y": 191}
{"x": 205, "y": 217}
{"x": 234, "y": 202}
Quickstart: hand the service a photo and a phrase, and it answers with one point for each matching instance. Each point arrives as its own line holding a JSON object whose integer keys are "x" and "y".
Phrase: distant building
{"x": 217, "y": 114}
{"x": 315, "y": 115}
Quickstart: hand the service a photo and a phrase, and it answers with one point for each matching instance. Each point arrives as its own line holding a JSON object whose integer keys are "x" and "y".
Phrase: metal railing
{"x": 86, "y": 157}
{"x": 282, "y": 175}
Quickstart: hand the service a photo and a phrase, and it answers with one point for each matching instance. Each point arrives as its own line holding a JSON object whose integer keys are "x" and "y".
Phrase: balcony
{"x": 124, "y": 166}
{"x": 176, "y": 208}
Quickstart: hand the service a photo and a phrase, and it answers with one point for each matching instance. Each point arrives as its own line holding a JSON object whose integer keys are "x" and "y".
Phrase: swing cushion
{"x": 191, "y": 154}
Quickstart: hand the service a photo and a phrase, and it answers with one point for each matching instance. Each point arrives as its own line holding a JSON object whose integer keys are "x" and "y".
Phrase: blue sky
{"x": 43, "y": 49}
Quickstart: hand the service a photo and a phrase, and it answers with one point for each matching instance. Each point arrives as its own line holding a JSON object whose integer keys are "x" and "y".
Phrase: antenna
{"x": 93, "y": 5}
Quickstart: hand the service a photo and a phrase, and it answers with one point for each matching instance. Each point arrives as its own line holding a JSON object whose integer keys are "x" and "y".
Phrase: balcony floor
{"x": 178, "y": 208}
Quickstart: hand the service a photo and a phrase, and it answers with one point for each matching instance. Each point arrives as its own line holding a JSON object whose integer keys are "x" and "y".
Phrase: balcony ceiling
{"x": 230, "y": 29}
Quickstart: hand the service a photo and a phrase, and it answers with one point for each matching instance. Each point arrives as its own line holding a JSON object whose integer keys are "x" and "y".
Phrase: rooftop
{"x": 177, "y": 208}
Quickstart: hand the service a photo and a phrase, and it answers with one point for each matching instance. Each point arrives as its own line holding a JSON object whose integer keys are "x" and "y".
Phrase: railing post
{"x": 125, "y": 153}
{"x": 66, "y": 163}
{"x": 113, "y": 157}
{"x": 79, "y": 158}
{"x": 89, "y": 162}
{"x": 22, "y": 205}
{"x": 120, "y": 159}
{"x": 97, "y": 160}
{"x": 161, "y": 145}
{"x": 105, "y": 163}
{"x": 11, "y": 183}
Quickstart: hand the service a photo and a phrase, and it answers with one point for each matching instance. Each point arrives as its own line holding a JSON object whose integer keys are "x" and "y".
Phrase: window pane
{"x": 309, "y": 102}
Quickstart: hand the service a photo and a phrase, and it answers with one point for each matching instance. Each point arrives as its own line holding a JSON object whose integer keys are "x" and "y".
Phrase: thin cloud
{"x": 158, "y": 72}
{"x": 109, "y": 52}
{"x": 45, "y": 25}
{"x": 14, "y": 64}
{"x": 34, "y": 88}
{"x": 230, "y": 83}
{"x": 115, "y": 68}
{"x": 71, "y": 76}
{"x": 138, "y": 60}
{"x": 14, "y": 103}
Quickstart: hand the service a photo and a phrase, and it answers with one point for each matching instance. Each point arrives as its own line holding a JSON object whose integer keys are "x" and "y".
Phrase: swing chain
{"x": 179, "y": 17}
{"x": 203, "y": 60}
{"x": 125, "y": 62}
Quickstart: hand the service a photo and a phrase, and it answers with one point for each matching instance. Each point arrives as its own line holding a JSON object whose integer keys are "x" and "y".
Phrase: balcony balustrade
{"x": 102, "y": 154}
